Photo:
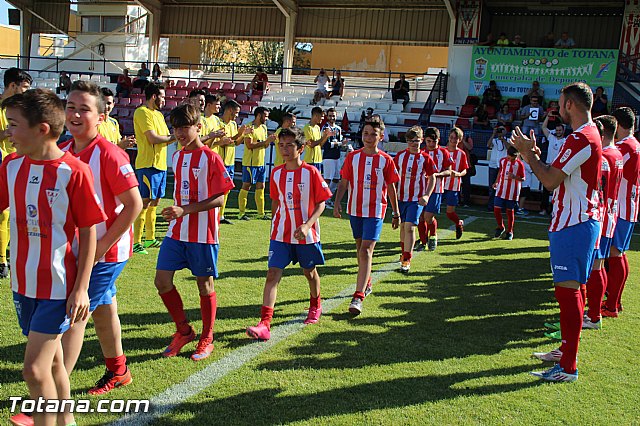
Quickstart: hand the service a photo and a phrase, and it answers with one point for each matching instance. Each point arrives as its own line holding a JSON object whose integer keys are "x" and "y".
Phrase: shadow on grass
{"x": 271, "y": 407}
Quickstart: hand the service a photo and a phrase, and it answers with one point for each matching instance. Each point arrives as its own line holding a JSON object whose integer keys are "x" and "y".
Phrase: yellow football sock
{"x": 150, "y": 230}
{"x": 4, "y": 235}
{"x": 224, "y": 204}
{"x": 138, "y": 226}
{"x": 259, "y": 196}
{"x": 242, "y": 201}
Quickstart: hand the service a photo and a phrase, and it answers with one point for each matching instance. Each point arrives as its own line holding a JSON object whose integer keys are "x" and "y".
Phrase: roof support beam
{"x": 289, "y": 9}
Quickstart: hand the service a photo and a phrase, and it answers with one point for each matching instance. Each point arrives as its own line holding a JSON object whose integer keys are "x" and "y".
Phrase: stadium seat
{"x": 239, "y": 87}
{"x": 170, "y": 93}
{"x": 180, "y": 84}
{"x": 410, "y": 122}
{"x": 203, "y": 85}
{"x": 123, "y": 101}
{"x": 136, "y": 102}
{"x": 396, "y": 108}
{"x": 193, "y": 84}
{"x": 242, "y": 97}
{"x": 463, "y": 123}
{"x": 214, "y": 86}
{"x": 170, "y": 104}
{"x": 229, "y": 95}
{"x": 382, "y": 106}
{"x": 136, "y": 91}
{"x": 248, "y": 109}
{"x": 227, "y": 87}
{"x": 513, "y": 104}
{"x": 467, "y": 110}
{"x": 472, "y": 100}
{"x": 182, "y": 93}
{"x": 390, "y": 119}
{"x": 491, "y": 111}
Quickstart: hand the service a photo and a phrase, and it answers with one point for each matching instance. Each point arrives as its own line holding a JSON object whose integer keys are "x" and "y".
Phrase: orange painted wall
{"x": 409, "y": 59}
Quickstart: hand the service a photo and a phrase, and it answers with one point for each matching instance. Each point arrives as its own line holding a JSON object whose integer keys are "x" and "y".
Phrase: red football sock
{"x": 208, "y": 308}
{"x": 453, "y": 216}
{"x": 406, "y": 256}
{"x": 497, "y": 212}
{"x": 401, "y": 246}
{"x": 173, "y": 303}
{"x": 583, "y": 294}
{"x": 571, "y": 311}
{"x": 625, "y": 263}
{"x": 117, "y": 365}
{"x": 511, "y": 219}
{"x": 266, "y": 313}
{"x": 314, "y": 302}
{"x": 615, "y": 281}
{"x": 359, "y": 295}
{"x": 595, "y": 293}
{"x": 422, "y": 231}
{"x": 432, "y": 229}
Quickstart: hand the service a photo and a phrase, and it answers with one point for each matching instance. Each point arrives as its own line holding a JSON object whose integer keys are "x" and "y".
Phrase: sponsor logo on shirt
{"x": 566, "y": 155}
{"x": 34, "y": 179}
{"x": 32, "y": 211}
{"x": 185, "y": 185}
{"x": 560, "y": 267}
{"x": 126, "y": 170}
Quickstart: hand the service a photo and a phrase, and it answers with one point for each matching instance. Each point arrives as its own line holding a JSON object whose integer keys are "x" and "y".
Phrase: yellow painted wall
{"x": 409, "y": 59}
{"x": 187, "y": 49}
{"x": 10, "y": 42}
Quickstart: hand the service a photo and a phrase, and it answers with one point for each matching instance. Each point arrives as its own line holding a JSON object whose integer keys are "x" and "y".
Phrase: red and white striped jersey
{"x": 458, "y": 164}
{"x": 48, "y": 202}
{"x": 508, "y": 188}
{"x": 612, "y": 169}
{"x": 199, "y": 174}
{"x": 368, "y": 177}
{"x": 442, "y": 159}
{"x": 413, "y": 170}
{"x": 576, "y": 200}
{"x": 629, "y": 195}
{"x": 112, "y": 175}
{"x": 298, "y": 192}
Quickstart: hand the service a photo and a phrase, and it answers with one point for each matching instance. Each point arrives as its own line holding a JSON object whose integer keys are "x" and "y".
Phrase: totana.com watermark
{"x": 41, "y": 405}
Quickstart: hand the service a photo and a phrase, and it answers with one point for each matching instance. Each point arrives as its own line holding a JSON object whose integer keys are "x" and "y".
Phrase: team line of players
{"x": 56, "y": 284}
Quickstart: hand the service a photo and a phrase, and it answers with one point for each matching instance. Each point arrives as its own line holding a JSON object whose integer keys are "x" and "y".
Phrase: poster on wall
{"x": 630, "y": 38}
{"x": 515, "y": 69}
{"x": 468, "y": 21}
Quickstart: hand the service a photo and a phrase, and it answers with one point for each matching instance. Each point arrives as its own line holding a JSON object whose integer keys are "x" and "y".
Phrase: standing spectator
{"x": 549, "y": 40}
{"x": 465, "y": 193}
{"x": 321, "y": 90}
{"x": 502, "y": 40}
{"x": 452, "y": 183}
{"x": 331, "y": 151}
{"x": 260, "y": 81}
{"x": 535, "y": 90}
{"x": 64, "y": 84}
{"x": 505, "y": 116}
{"x": 531, "y": 116}
{"x": 488, "y": 41}
{"x": 553, "y": 112}
{"x": 401, "y": 91}
{"x": 600, "y": 102}
{"x": 156, "y": 73}
{"x": 492, "y": 95}
{"x": 565, "y": 42}
{"x": 517, "y": 41}
{"x": 555, "y": 139}
{"x": 337, "y": 86}
{"x": 498, "y": 146}
{"x": 124, "y": 85}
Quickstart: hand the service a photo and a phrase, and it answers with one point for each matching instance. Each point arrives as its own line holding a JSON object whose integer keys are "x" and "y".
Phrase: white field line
{"x": 197, "y": 382}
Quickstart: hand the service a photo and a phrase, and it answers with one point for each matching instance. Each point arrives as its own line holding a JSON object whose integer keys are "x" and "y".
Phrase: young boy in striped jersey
{"x": 54, "y": 210}
{"x": 298, "y": 195}
{"x": 368, "y": 174}
{"x": 416, "y": 169}
{"x": 507, "y": 187}
{"x": 201, "y": 180}
{"x": 453, "y": 182}
{"x": 117, "y": 189}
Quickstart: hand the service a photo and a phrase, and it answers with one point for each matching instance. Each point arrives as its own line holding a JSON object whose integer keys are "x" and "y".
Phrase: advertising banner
{"x": 514, "y": 69}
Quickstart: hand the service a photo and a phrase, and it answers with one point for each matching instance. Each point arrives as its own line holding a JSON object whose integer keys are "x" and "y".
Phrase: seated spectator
{"x": 548, "y": 40}
{"x": 517, "y": 41}
{"x": 565, "y": 42}
{"x": 531, "y": 116}
{"x": 481, "y": 118}
{"x": 142, "y": 78}
{"x": 401, "y": 91}
{"x": 535, "y": 90}
{"x": 502, "y": 40}
{"x": 321, "y": 90}
{"x": 489, "y": 41}
{"x": 156, "y": 73}
{"x": 124, "y": 85}
{"x": 64, "y": 83}
{"x": 492, "y": 95}
{"x": 337, "y": 86}
{"x": 505, "y": 116}
{"x": 260, "y": 81}
{"x": 553, "y": 114}
{"x": 600, "y": 102}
